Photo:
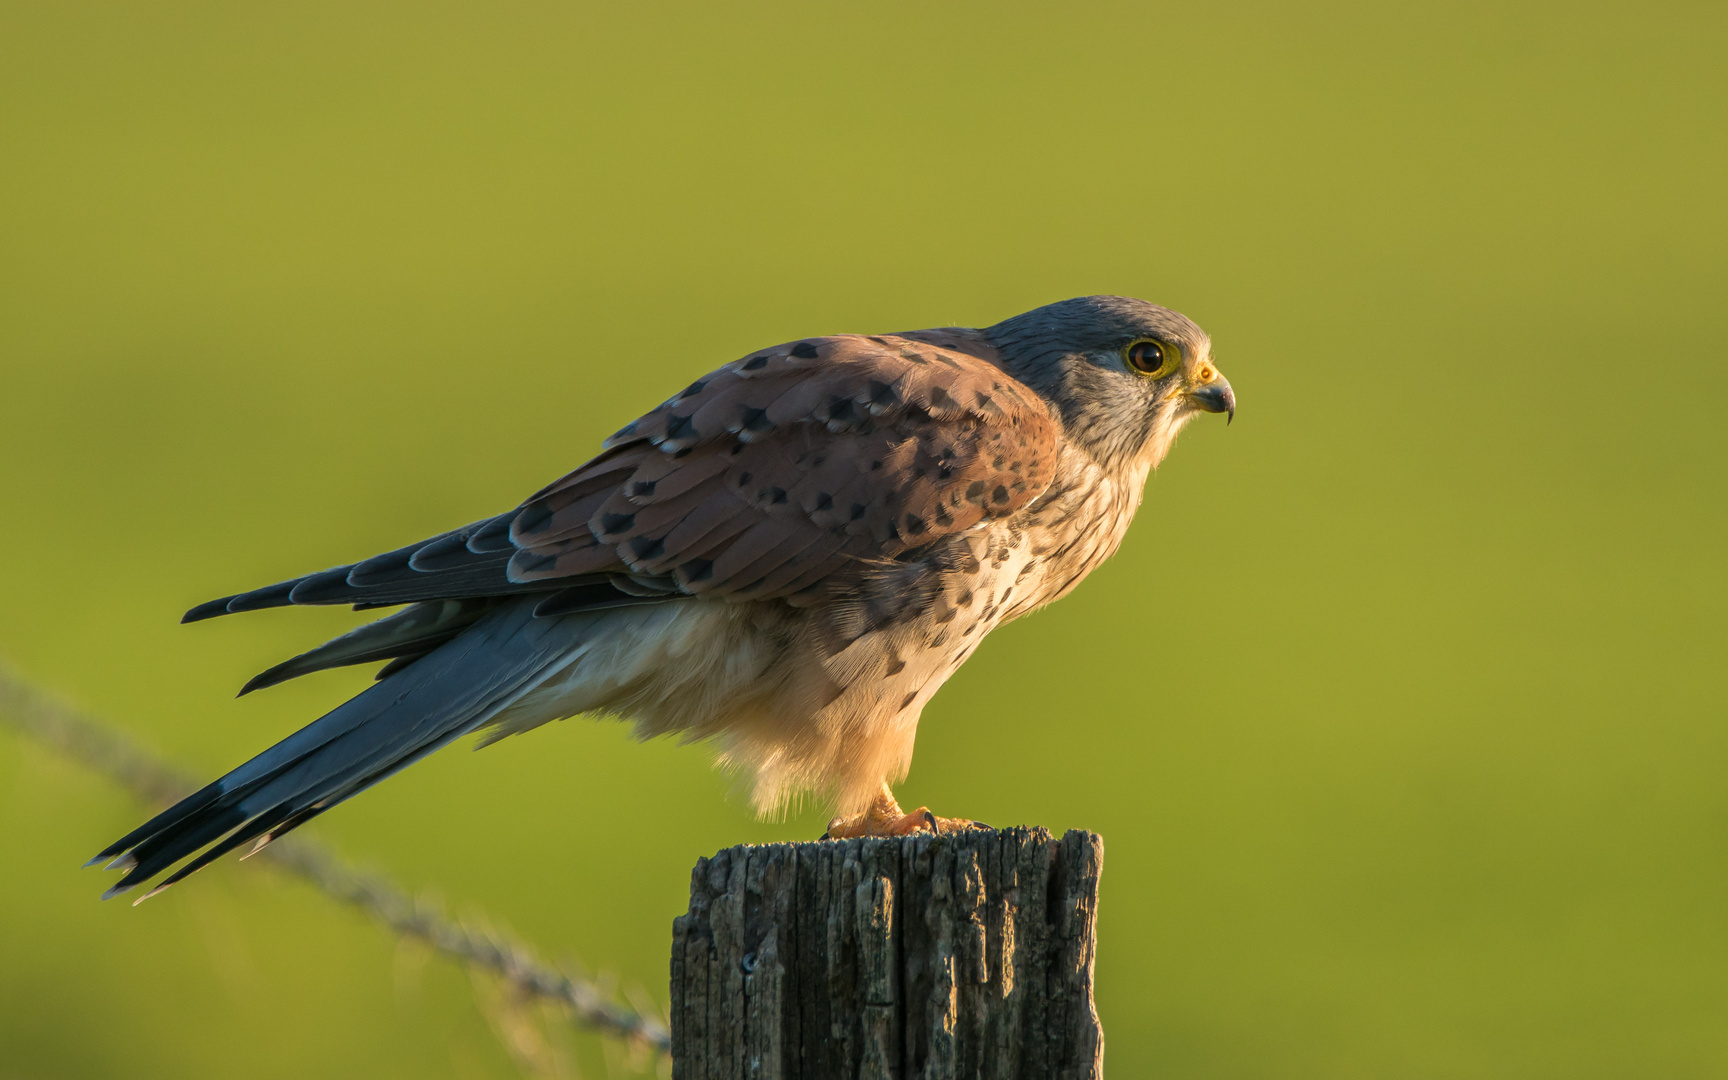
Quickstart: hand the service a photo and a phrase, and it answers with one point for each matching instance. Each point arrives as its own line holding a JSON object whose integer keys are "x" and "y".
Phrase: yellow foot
{"x": 884, "y": 818}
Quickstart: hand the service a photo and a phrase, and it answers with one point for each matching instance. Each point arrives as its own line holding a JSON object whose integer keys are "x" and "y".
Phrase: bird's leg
{"x": 885, "y": 818}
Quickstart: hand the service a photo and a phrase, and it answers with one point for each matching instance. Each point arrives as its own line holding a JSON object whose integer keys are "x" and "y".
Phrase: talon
{"x": 884, "y": 818}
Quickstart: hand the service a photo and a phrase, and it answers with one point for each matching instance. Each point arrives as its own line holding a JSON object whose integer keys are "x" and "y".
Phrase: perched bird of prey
{"x": 788, "y": 558}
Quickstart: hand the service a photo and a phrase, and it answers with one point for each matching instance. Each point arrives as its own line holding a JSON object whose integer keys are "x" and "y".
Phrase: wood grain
{"x": 967, "y": 955}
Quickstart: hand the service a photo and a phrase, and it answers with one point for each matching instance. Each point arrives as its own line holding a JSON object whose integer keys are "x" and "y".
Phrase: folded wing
{"x": 765, "y": 479}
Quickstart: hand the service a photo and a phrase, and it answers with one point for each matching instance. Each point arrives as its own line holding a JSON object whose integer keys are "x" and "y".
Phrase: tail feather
{"x": 415, "y": 631}
{"x": 166, "y": 849}
{"x": 452, "y": 690}
{"x": 264, "y": 823}
{"x": 396, "y": 665}
{"x": 167, "y": 819}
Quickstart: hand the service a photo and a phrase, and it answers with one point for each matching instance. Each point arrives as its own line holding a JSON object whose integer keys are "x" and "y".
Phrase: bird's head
{"x": 1124, "y": 375}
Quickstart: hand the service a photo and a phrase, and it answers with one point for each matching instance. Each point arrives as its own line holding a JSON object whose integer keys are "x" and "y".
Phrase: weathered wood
{"x": 914, "y": 958}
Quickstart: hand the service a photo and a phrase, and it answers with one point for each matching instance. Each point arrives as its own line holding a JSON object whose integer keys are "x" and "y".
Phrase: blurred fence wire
{"x": 515, "y": 964}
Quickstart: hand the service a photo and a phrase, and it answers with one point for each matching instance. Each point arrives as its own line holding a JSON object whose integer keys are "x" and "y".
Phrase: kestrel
{"x": 787, "y": 558}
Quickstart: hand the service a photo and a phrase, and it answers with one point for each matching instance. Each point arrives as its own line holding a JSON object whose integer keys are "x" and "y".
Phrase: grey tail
{"x": 403, "y": 638}
{"x": 448, "y": 692}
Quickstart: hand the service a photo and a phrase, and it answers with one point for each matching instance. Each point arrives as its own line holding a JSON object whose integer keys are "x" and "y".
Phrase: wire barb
{"x": 35, "y": 714}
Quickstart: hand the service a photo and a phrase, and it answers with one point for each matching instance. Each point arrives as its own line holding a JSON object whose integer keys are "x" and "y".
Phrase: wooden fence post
{"x": 914, "y": 958}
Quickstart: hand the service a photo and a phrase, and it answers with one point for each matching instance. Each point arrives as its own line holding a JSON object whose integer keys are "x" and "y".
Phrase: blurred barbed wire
{"x": 40, "y": 716}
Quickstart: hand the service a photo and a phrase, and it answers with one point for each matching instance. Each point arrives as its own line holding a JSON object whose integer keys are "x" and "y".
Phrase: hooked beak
{"x": 1215, "y": 396}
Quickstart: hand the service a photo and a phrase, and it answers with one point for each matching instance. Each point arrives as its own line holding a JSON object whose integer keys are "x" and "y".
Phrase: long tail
{"x": 445, "y": 694}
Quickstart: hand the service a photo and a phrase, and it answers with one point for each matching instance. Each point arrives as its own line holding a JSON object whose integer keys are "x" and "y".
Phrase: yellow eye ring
{"x": 1151, "y": 357}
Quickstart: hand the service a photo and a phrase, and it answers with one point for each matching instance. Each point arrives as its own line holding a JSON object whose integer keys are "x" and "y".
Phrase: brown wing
{"x": 758, "y": 480}
{"x": 766, "y": 476}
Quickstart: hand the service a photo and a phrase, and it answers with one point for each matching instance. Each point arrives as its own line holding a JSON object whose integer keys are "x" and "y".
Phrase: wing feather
{"x": 758, "y": 480}
{"x": 796, "y": 461}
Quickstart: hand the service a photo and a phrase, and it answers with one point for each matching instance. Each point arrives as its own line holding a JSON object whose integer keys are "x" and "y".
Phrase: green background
{"x": 1401, "y": 710}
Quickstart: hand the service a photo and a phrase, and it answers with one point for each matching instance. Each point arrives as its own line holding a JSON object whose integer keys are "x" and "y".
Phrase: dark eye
{"x": 1146, "y": 356}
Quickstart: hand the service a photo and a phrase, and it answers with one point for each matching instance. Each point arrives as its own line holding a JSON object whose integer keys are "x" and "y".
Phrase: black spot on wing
{"x": 533, "y": 518}
{"x": 614, "y": 525}
{"x": 941, "y": 399}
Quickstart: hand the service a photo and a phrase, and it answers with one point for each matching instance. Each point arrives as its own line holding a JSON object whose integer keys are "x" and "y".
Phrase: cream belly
{"x": 826, "y": 699}
{"x": 791, "y": 704}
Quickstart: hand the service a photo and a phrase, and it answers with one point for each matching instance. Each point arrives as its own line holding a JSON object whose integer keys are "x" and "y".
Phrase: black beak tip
{"x": 1216, "y": 398}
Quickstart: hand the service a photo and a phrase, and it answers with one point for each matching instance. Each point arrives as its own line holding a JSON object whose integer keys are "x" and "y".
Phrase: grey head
{"x": 1123, "y": 374}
